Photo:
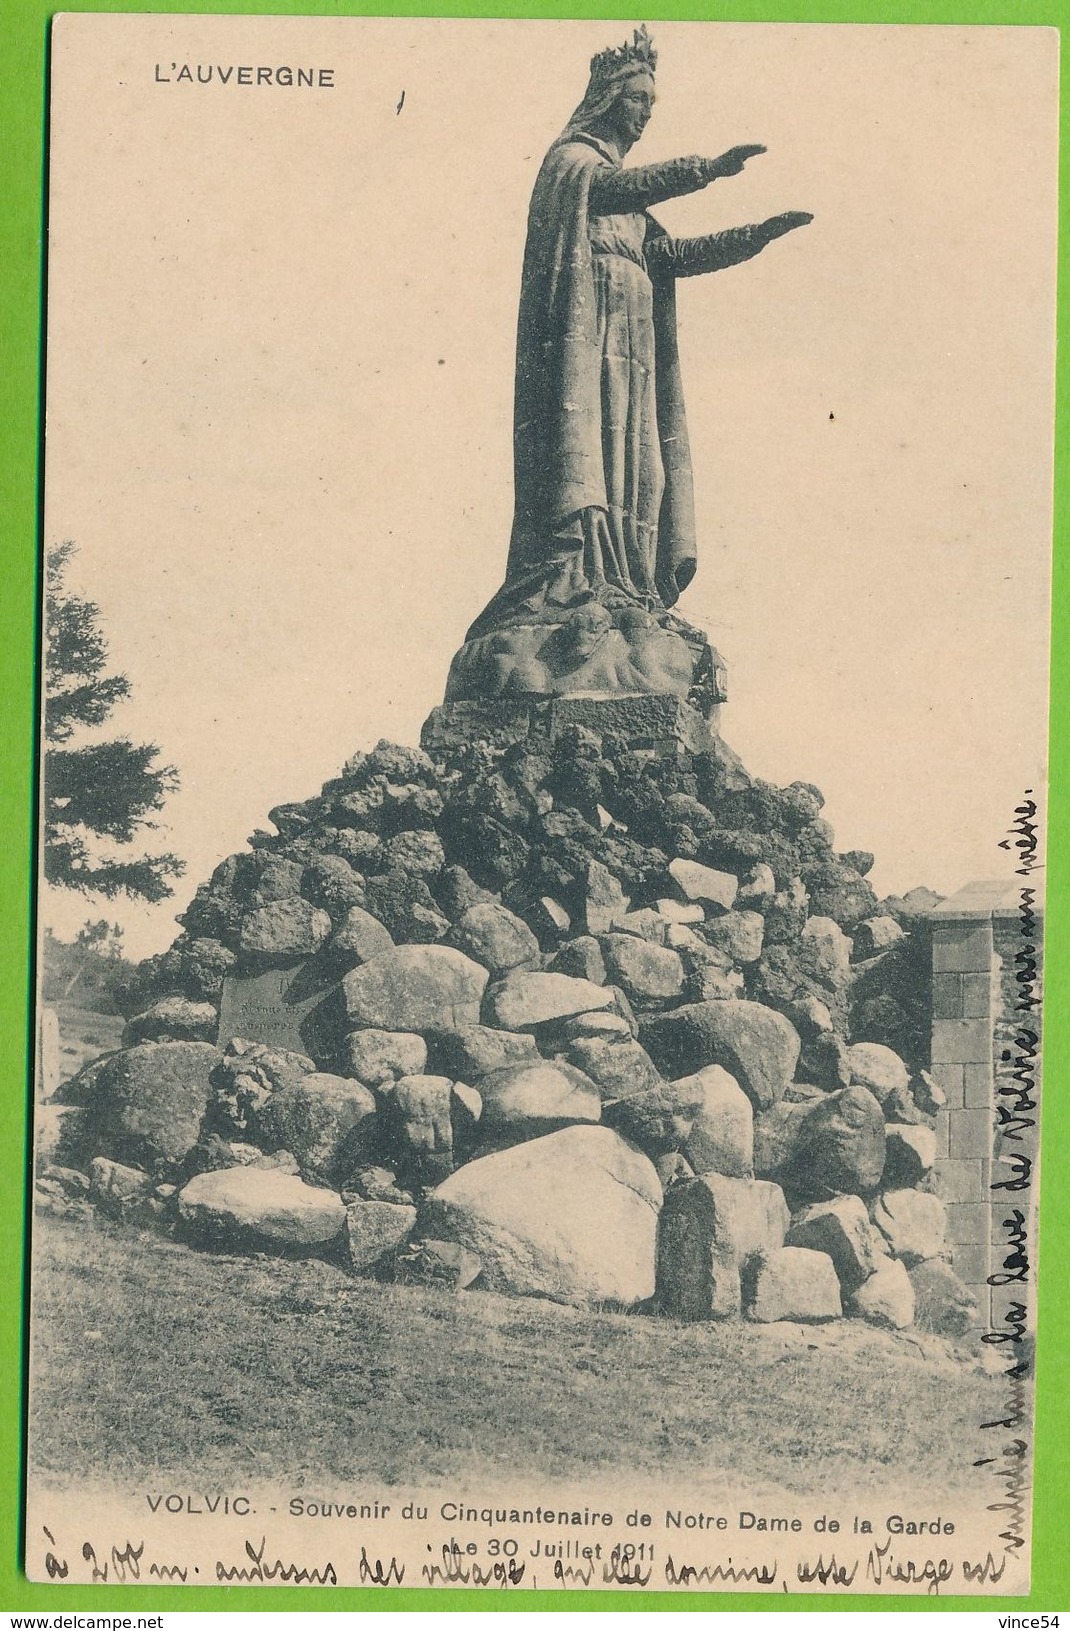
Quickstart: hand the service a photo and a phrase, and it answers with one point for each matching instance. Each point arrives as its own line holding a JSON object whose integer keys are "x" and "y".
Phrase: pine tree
{"x": 97, "y": 791}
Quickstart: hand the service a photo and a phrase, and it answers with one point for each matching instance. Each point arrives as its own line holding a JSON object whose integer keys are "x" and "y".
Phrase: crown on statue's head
{"x": 611, "y": 63}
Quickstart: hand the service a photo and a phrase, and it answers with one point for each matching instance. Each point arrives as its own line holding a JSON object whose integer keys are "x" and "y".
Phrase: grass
{"x": 84, "y": 1035}
{"x": 150, "y": 1359}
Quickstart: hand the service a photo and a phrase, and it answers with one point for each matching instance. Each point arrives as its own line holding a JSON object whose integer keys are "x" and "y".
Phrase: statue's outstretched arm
{"x": 618, "y": 192}
{"x": 686, "y": 257}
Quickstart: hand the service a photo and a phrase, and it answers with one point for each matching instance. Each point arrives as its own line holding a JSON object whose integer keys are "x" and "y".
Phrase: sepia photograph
{"x": 543, "y": 753}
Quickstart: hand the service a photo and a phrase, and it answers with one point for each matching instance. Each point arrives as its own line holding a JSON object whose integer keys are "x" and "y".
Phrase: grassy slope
{"x": 85, "y": 1035}
{"x": 150, "y": 1359}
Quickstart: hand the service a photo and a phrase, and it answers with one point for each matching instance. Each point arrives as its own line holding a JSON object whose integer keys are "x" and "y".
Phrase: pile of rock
{"x": 575, "y": 1022}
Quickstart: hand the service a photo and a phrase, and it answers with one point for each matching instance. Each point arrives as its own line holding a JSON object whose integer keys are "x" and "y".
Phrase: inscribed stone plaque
{"x": 267, "y": 1007}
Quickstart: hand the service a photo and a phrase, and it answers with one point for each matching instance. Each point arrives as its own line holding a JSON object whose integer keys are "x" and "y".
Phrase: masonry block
{"x": 970, "y": 1133}
{"x": 977, "y": 995}
{"x": 948, "y": 1000}
{"x": 950, "y": 1078}
{"x": 967, "y": 1221}
{"x": 963, "y": 1041}
{"x": 978, "y": 1084}
{"x": 969, "y": 1259}
{"x": 962, "y": 948}
{"x": 959, "y": 1180}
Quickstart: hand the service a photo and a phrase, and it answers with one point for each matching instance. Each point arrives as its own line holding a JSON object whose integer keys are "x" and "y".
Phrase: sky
{"x": 281, "y": 331}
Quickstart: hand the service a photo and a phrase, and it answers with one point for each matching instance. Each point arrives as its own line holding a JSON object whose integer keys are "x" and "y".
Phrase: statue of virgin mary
{"x": 604, "y": 508}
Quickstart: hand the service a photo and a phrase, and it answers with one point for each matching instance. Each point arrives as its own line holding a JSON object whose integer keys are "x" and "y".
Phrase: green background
{"x": 23, "y": 104}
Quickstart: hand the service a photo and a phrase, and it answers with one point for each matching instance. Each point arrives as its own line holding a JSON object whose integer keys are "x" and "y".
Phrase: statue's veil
{"x": 600, "y": 95}
{"x": 610, "y": 72}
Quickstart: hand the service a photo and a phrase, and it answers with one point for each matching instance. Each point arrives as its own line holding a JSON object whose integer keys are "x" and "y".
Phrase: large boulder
{"x": 757, "y": 1046}
{"x": 415, "y": 988}
{"x": 838, "y": 892}
{"x": 913, "y": 1223}
{"x": 654, "y": 1119}
{"x": 525, "y": 1101}
{"x": 492, "y": 935}
{"x": 912, "y": 1151}
{"x": 874, "y": 935}
{"x": 878, "y": 1068}
{"x": 739, "y": 934}
{"x": 886, "y": 1298}
{"x": 709, "y": 1229}
{"x": 332, "y": 882}
{"x": 322, "y": 1120}
{"x": 477, "y": 1050}
{"x": 604, "y": 899}
{"x": 757, "y": 889}
{"x": 173, "y": 1019}
{"x": 572, "y": 1216}
{"x": 116, "y": 1189}
{"x": 840, "y": 1228}
{"x": 358, "y": 938}
{"x": 721, "y": 1138}
{"x": 523, "y": 1000}
{"x": 825, "y": 951}
{"x": 791, "y": 1284}
{"x": 244, "y": 1080}
{"x": 279, "y": 879}
{"x": 837, "y": 1147}
{"x": 716, "y": 890}
{"x": 831, "y": 1143}
{"x": 377, "y": 1057}
{"x": 256, "y": 1208}
{"x": 418, "y": 854}
{"x": 284, "y": 931}
{"x": 375, "y": 1232}
{"x": 582, "y": 958}
{"x": 943, "y": 1305}
{"x": 147, "y": 1103}
{"x": 417, "y": 1127}
{"x": 619, "y": 1065}
{"x": 646, "y": 972}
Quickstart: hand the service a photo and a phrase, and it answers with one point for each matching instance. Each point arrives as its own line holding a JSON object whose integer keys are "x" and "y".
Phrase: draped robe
{"x": 598, "y": 415}
{"x": 571, "y": 389}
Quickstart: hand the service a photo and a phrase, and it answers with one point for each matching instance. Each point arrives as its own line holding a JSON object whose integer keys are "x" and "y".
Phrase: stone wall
{"x": 977, "y": 942}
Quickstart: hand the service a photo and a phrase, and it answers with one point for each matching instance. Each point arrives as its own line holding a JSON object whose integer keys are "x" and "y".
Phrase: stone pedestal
{"x": 662, "y": 726}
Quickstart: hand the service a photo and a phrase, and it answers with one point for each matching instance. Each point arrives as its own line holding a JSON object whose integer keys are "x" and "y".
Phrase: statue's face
{"x": 631, "y": 111}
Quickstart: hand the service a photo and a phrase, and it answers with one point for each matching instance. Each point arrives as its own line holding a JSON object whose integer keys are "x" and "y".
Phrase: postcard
{"x": 548, "y": 535}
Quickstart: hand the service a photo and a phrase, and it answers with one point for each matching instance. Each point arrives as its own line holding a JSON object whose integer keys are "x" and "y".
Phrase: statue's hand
{"x": 777, "y": 225}
{"x": 732, "y": 162}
